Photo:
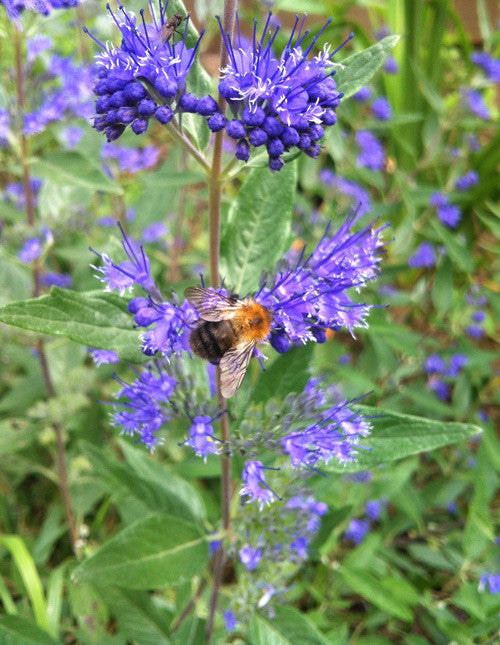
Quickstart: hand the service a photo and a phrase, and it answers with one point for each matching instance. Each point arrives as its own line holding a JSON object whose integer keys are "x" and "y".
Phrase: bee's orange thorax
{"x": 252, "y": 321}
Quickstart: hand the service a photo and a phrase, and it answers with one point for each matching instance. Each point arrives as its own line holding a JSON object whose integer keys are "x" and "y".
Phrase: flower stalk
{"x": 215, "y": 201}
{"x": 30, "y": 214}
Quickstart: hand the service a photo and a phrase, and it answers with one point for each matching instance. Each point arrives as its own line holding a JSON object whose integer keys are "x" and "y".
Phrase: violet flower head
{"x": 424, "y": 256}
{"x": 474, "y": 102}
{"x": 448, "y": 214}
{"x": 357, "y": 530}
{"x": 434, "y": 364}
{"x": 145, "y": 76}
{"x": 381, "y": 109}
{"x": 457, "y": 363}
{"x": 201, "y": 437}
{"x": 104, "y": 356}
{"x": 372, "y": 154}
{"x": 491, "y": 66}
{"x": 311, "y": 293}
{"x": 335, "y": 436}
{"x": 373, "y": 509}
{"x": 30, "y": 251}
{"x": 440, "y": 388}
{"x": 144, "y": 411}
{"x": 390, "y": 65}
{"x": 281, "y": 101}
{"x": 61, "y": 280}
{"x": 474, "y": 331}
{"x": 469, "y": 180}
{"x": 255, "y": 486}
{"x": 14, "y": 8}
{"x": 492, "y": 581}
{"x": 363, "y": 95}
{"x": 123, "y": 276}
{"x": 230, "y": 621}
{"x": 250, "y": 557}
{"x": 478, "y": 316}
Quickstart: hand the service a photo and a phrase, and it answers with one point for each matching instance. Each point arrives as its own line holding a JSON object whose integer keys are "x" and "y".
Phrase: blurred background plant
{"x": 407, "y": 552}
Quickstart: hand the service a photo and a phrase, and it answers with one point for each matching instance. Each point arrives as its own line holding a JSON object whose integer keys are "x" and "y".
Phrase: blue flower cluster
{"x": 309, "y": 294}
{"x": 14, "y": 8}
{"x": 280, "y": 102}
{"x": 436, "y": 367}
{"x": 145, "y": 77}
{"x": 448, "y": 214}
{"x": 131, "y": 159}
{"x": 144, "y": 411}
{"x": 358, "y": 528}
{"x": 72, "y": 98}
{"x": 423, "y": 257}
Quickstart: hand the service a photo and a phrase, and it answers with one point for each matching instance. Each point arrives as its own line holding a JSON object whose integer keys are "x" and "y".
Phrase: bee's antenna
{"x": 202, "y": 280}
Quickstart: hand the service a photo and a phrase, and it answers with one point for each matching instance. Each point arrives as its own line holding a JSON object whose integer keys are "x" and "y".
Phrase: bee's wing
{"x": 233, "y": 367}
{"x": 211, "y": 305}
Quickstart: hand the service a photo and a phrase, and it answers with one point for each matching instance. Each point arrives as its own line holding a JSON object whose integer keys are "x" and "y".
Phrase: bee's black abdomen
{"x": 211, "y": 340}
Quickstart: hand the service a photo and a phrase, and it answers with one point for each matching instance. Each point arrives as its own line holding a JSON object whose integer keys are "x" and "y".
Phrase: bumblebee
{"x": 228, "y": 333}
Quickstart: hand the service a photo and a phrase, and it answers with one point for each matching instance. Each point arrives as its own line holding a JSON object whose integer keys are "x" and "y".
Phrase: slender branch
{"x": 214, "y": 208}
{"x": 30, "y": 214}
{"x": 188, "y": 146}
{"x": 189, "y": 607}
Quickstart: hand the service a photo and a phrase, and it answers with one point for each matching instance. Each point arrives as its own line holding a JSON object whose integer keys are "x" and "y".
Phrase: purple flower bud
{"x": 424, "y": 256}
{"x": 146, "y": 316}
{"x": 230, "y": 621}
{"x": 134, "y": 92}
{"x": 101, "y": 88}
{"x": 188, "y": 103}
{"x": 357, "y": 530}
{"x": 146, "y": 107}
{"x": 316, "y": 132}
{"x": 216, "y": 122}
{"x": 99, "y": 123}
{"x": 137, "y": 303}
{"x": 272, "y": 126}
{"x": 165, "y": 86}
{"x": 235, "y": 129}
{"x": 102, "y": 104}
{"x": 114, "y": 132}
{"x": 329, "y": 117}
{"x": 279, "y": 341}
{"x": 313, "y": 150}
{"x": 114, "y": 84}
{"x": 30, "y": 251}
{"x": 440, "y": 388}
{"x": 276, "y": 163}
{"x": 164, "y": 114}
{"x": 250, "y": 557}
{"x": 227, "y": 91}
{"x": 139, "y": 126}
{"x": 302, "y": 124}
{"x": 275, "y": 147}
{"x": 362, "y": 95}
{"x": 304, "y": 142}
{"x": 373, "y": 509}
{"x": 474, "y": 331}
{"x": 381, "y": 109}
{"x": 117, "y": 99}
{"x": 257, "y": 137}
{"x": 478, "y": 316}
{"x": 242, "y": 151}
{"x": 126, "y": 115}
{"x": 206, "y": 106}
{"x": 290, "y": 137}
{"x": 104, "y": 356}
{"x": 434, "y": 364}
{"x": 319, "y": 334}
{"x": 253, "y": 117}
{"x": 111, "y": 117}
{"x": 467, "y": 181}
{"x": 391, "y": 66}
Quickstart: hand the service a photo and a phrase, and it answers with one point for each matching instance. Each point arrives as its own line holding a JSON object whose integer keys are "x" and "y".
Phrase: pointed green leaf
{"x": 288, "y": 627}
{"x": 95, "y": 318}
{"x": 15, "y": 630}
{"x": 396, "y": 435}
{"x": 259, "y": 226}
{"x": 154, "y": 552}
{"x": 68, "y": 167}
{"x": 358, "y": 69}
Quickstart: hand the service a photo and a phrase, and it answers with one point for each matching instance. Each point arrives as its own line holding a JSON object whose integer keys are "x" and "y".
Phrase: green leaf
{"x": 150, "y": 482}
{"x": 94, "y": 318}
{"x": 358, "y": 69}
{"x": 442, "y": 288}
{"x": 396, "y": 435}
{"x": 458, "y": 252}
{"x": 136, "y": 614}
{"x": 15, "y": 630}
{"x": 259, "y": 226}
{"x": 90, "y": 611}
{"x": 370, "y": 588}
{"x": 74, "y": 169}
{"x": 154, "y": 552}
{"x": 27, "y": 570}
{"x": 288, "y": 373}
{"x": 288, "y": 627}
